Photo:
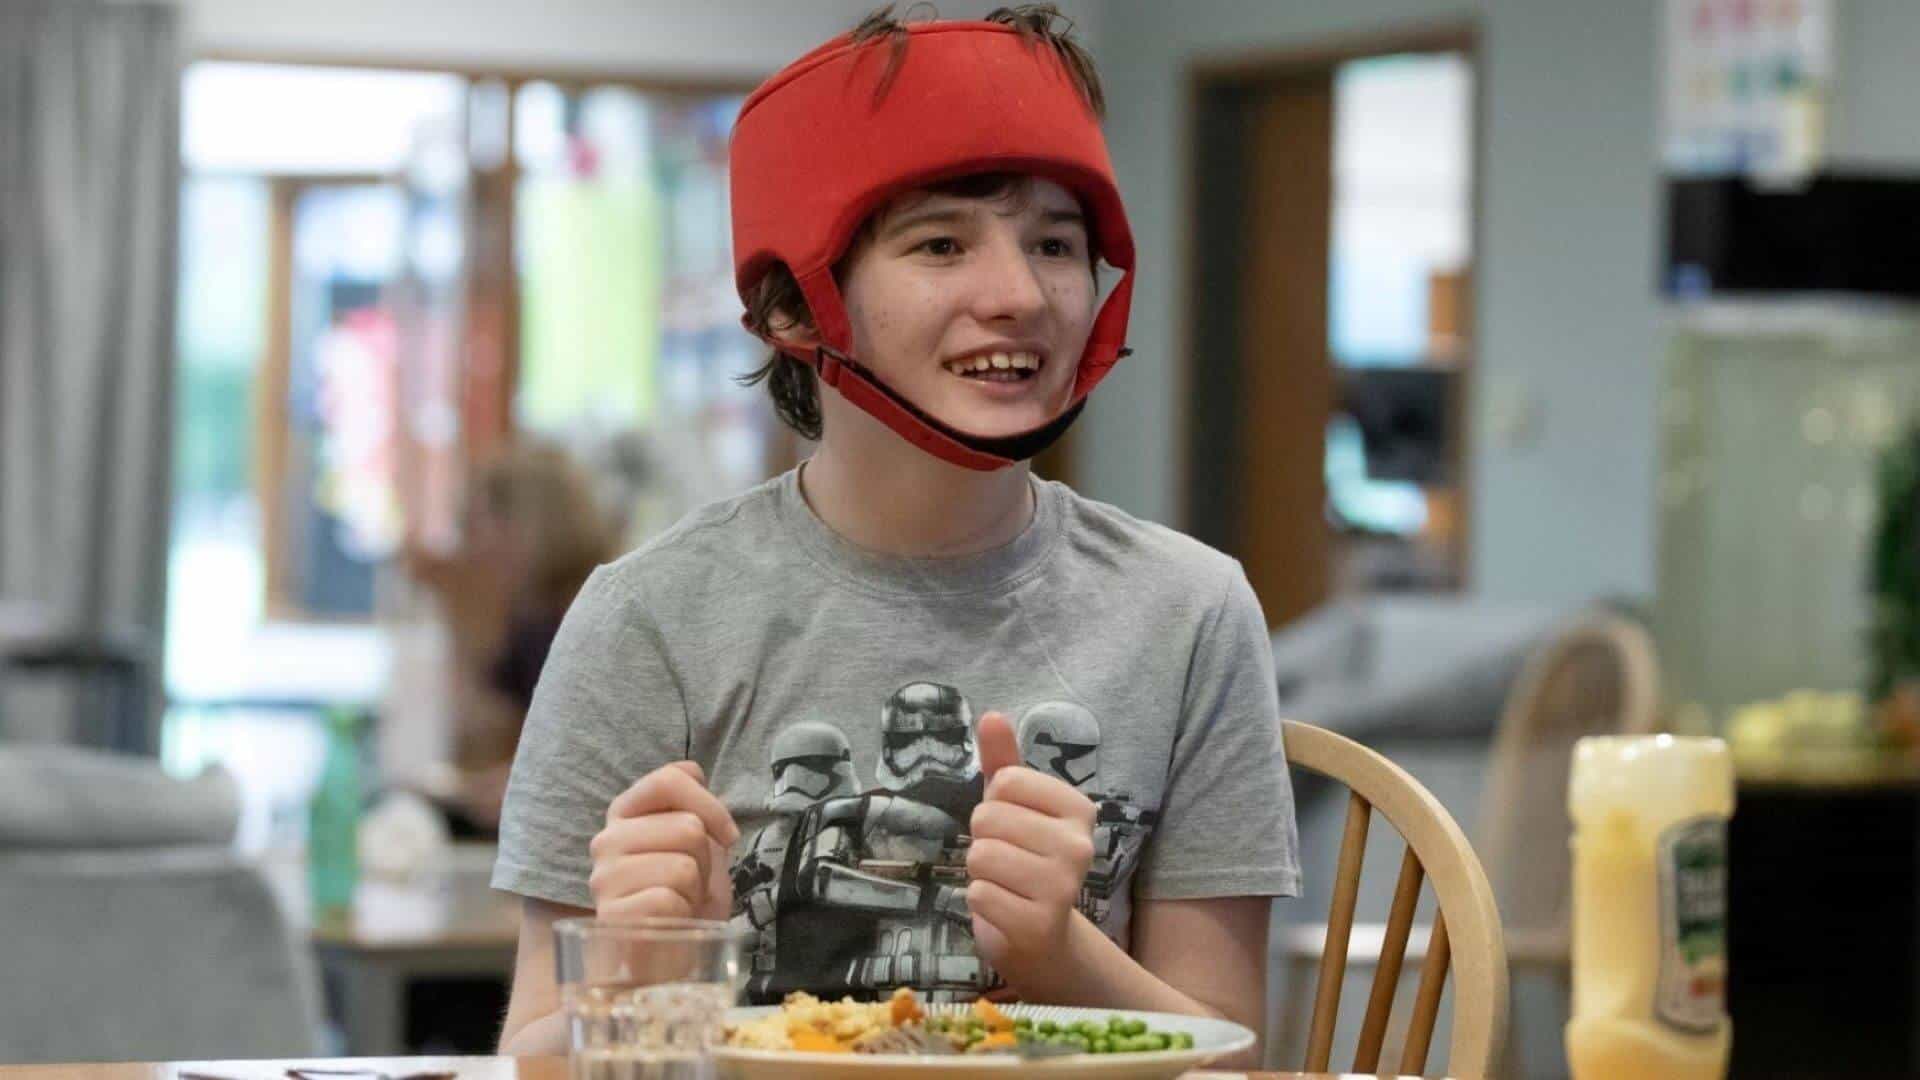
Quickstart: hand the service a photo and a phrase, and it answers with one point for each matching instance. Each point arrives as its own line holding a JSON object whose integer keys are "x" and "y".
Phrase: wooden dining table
{"x": 417, "y": 1068}
{"x": 448, "y": 923}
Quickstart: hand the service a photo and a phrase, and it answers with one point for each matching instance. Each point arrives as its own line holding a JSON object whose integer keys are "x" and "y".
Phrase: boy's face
{"x": 942, "y": 283}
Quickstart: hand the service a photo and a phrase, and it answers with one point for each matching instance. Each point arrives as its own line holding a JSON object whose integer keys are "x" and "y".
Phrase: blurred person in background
{"x": 532, "y": 532}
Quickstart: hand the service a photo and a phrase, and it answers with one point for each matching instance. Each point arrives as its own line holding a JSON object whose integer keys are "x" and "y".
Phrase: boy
{"x": 906, "y": 715}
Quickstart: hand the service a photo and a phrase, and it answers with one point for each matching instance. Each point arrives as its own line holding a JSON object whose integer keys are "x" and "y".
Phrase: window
{"x": 377, "y": 289}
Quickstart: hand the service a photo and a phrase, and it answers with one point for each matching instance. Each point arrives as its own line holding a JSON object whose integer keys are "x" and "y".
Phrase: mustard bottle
{"x": 1649, "y": 907}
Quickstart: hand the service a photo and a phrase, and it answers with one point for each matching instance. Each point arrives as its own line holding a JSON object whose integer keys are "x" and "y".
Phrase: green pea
{"x": 1117, "y": 1025}
{"x": 1048, "y": 1027}
{"x": 1160, "y": 1042}
{"x": 1024, "y": 1023}
{"x": 1182, "y": 1040}
{"x": 1102, "y": 1046}
{"x": 1136, "y": 1027}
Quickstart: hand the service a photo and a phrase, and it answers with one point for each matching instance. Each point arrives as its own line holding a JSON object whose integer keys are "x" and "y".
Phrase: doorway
{"x": 1329, "y": 305}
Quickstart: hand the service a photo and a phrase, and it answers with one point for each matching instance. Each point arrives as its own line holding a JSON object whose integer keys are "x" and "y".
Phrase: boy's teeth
{"x": 1018, "y": 361}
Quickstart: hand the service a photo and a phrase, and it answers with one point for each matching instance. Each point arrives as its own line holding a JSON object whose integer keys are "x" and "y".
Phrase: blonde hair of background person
{"x": 532, "y": 532}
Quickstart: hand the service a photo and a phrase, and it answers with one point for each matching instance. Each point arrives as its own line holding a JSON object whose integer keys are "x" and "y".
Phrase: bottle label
{"x": 1691, "y": 996}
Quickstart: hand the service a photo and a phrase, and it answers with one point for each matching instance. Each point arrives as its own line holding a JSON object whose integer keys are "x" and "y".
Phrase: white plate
{"x": 1212, "y": 1039}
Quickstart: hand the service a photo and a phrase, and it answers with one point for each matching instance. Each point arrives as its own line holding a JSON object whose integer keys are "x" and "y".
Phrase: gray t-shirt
{"x": 831, "y": 695}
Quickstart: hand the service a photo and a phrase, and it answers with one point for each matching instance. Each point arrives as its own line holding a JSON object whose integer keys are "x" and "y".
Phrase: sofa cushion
{"x": 1406, "y": 666}
{"x": 69, "y": 798}
{"x": 1325, "y": 646}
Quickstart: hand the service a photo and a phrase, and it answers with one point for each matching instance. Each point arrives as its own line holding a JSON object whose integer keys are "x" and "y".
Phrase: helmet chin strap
{"x": 985, "y": 454}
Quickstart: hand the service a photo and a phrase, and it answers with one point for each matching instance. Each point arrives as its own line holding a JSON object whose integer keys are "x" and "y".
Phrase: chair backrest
{"x": 1466, "y": 936}
{"x": 150, "y": 955}
{"x": 1597, "y": 676}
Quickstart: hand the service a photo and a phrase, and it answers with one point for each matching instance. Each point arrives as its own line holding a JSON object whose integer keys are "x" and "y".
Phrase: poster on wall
{"x": 1747, "y": 84}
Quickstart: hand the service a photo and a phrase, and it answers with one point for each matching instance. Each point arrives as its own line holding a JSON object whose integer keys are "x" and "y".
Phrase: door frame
{"x": 1210, "y": 74}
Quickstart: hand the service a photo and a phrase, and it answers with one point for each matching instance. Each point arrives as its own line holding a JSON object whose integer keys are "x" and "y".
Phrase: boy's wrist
{"x": 1067, "y": 976}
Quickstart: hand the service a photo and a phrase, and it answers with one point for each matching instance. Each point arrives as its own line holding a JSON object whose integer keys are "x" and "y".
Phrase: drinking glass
{"x": 645, "y": 1000}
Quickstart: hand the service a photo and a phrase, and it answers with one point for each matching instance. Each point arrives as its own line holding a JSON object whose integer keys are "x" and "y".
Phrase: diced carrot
{"x": 906, "y": 1009}
{"x": 990, "y": 1014}
{"x": 816, "y": 1043}
{"x": 997, "y": 1040}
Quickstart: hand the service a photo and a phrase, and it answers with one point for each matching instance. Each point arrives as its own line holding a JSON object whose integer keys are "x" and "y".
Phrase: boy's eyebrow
{"x": 953, "y": 215}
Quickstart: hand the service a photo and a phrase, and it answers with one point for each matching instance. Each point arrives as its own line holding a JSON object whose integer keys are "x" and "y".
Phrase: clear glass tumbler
{"x": 645, "y": 1000}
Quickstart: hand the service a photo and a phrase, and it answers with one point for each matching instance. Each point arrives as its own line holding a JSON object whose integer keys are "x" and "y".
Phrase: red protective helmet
{"x": 824, "y": 143}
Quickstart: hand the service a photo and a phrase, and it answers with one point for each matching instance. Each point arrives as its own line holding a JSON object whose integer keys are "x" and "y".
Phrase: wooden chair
{"x": 1600, "y": 676}
{"x": 1597, "y": 676}
{"x": 1466, "y": 938}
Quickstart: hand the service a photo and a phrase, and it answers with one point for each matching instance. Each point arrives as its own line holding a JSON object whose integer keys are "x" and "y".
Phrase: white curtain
{"x": 89, "y": 196}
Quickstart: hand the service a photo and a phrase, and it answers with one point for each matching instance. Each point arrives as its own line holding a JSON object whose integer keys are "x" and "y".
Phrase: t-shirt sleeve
{"x": 606, "y": 712}
{"x": 1227, "y": 825}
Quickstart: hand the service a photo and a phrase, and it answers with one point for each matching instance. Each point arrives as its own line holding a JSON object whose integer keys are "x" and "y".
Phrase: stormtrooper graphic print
{"x": 851, "y": 887}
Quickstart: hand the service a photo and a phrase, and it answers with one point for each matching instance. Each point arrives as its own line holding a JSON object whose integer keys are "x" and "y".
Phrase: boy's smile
{"x": 998, "y": 364}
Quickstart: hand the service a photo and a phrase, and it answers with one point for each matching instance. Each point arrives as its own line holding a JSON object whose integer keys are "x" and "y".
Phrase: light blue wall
{"x": 1568, "y": 323}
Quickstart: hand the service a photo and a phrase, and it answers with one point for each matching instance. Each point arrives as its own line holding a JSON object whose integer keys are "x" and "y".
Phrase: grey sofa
{"x": 129, "y": 927}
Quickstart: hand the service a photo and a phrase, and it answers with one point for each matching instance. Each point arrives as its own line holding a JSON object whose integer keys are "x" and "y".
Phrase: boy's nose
{"x": 1010, "y": 290}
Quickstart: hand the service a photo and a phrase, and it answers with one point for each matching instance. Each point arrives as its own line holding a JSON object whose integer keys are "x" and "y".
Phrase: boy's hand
{"x": 1032, "y": 844}
{"x": 665, "y": 850}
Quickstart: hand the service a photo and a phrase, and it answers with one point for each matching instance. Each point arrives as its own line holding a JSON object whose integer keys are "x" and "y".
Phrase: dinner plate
{"x": 1212, "y": 1039}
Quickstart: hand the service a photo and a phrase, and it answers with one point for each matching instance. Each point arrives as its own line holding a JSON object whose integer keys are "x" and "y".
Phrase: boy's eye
{"x": 1056, "y": 247}
{"x": 940, "y": 246}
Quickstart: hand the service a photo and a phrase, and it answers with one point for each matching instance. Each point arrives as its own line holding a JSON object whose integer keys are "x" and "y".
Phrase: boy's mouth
{"x": 1016, "y": 366}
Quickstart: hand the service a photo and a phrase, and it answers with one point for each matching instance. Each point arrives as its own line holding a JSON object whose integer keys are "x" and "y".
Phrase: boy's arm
{"x": 1197, "y": 957}
{"x": 1214, "y": 952}
{"x": 535, "y": 1026}
{"x": 1028, "y": 862}
{"x": 1224, "y": 844}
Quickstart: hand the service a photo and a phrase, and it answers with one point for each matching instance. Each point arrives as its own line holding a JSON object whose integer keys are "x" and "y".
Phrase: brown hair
{"x": 541, "y": 488}
{"x": 776, "y": 304}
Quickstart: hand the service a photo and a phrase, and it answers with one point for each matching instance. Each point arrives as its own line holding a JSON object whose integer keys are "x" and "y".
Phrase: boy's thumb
{"x": 998, "y": 747}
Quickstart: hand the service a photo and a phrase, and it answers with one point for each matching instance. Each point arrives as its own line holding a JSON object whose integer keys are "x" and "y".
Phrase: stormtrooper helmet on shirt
{"x": 1062, "y": 738}
{"x": 811, "y": 761}
{"x": 926, "y": 733}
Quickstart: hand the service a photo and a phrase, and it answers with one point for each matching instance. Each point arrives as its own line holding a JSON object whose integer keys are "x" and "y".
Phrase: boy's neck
{"x": 890, "y": 497}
